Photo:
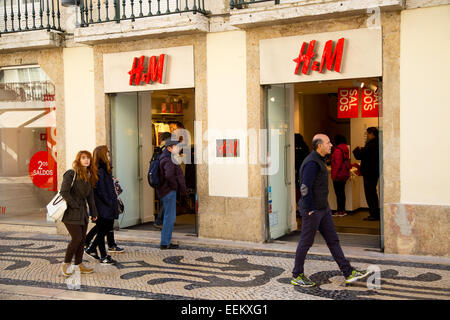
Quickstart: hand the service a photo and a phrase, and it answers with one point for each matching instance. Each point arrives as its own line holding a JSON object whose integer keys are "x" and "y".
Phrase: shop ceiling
{"x": 324, "y": 87}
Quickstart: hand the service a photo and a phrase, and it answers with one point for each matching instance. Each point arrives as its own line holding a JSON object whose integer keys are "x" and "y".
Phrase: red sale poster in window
{"x": 369, "y": 103}
{"x": 348, "y": 101}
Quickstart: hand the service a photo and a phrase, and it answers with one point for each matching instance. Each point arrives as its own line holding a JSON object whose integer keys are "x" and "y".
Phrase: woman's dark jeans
{"x": 104, "y": 226}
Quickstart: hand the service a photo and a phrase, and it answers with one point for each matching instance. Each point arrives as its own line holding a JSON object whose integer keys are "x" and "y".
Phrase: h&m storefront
{"x": 320, "y": 83}
{"x": 150, "y": 93}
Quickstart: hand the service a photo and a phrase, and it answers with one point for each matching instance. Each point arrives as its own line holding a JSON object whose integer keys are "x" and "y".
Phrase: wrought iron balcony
{"x": 99, "y": 11}
{"x": 239, "y": 4}
{"x": 29, "y": 15}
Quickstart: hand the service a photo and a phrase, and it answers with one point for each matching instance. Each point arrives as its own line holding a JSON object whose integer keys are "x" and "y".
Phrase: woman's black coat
{"x": 105, "y": 195}
{"x": 76, "y": 198}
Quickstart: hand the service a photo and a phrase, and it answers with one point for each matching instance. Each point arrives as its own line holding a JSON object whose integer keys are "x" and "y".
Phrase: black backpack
{"x": 153, "y": 177}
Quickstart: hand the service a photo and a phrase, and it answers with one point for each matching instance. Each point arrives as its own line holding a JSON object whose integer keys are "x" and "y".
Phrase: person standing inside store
{"x": 176, "y": 128}
{"x": 340, "y": 172}
{"x": 159, "y": 218}
{"x": 173, "y": 182}
{"x": 76, "y": 217}
{"x": 370, "y": 170}
{"x": 106, "y": 202}
{"x": 316, "y": 215}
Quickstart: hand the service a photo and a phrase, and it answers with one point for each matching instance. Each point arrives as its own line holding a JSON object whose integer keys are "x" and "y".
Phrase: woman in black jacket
{"x": 370, "y": 170}
{"x": 76, "y": 217}
{"x": 106, "y": 202}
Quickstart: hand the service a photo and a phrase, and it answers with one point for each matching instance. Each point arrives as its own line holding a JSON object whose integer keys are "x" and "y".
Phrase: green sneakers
{"x": 302, "y": 281}
{"x": 357, "y": 275}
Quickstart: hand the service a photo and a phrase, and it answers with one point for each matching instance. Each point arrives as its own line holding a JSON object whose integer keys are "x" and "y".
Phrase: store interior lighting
{"x": 367, "y": 84}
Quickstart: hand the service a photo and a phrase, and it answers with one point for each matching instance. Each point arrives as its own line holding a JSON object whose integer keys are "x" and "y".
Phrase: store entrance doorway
{"x": 139, "y": 121}
{"x": 313, "y": 108}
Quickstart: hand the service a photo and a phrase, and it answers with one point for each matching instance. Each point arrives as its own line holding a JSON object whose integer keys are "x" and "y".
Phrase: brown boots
{"x": 67, "y": 270}
{"x": 84, "y": 269}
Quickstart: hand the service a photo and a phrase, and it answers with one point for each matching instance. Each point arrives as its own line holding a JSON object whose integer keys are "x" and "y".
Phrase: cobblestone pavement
{"x": 195, "y": 272}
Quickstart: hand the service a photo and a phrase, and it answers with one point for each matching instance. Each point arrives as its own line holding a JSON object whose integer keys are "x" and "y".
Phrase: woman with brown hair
{"x": 105, "y": 201}
{"x": 76, "y": 217}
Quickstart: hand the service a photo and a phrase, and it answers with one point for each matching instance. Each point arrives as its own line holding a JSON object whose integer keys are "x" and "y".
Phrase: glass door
{"x": 125, "y": 154}
{"x": 279, "y": 178}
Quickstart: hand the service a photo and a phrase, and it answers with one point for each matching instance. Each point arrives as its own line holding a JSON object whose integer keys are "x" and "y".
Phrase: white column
{"x": 227, "y": 111}
{"x": 79, "y": 101}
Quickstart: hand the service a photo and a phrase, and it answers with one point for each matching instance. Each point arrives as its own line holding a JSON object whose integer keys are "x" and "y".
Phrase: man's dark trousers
{"x": 322, "y": 221}
{"x": 370, "y": 190}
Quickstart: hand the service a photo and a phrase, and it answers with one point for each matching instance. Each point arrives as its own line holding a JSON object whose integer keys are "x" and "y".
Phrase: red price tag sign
{"x": 41, "y": 170}
{"x": 369, "y": 105}
{"x": 348, "y": 102}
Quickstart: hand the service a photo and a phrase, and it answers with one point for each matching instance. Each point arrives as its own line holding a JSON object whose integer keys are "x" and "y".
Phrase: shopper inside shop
{"x": 370, "y": 170}
{"x": 340, "y": 172}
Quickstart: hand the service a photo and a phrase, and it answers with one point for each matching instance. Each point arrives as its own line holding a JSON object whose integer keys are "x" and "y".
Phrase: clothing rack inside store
{"x": 166, "y": 117}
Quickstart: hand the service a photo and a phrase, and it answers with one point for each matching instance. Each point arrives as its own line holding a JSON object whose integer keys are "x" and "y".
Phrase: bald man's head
{"x": 321, "y": 144}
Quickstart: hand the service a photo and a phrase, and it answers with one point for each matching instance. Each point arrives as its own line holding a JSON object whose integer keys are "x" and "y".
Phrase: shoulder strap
{"x": 74, "y": 177}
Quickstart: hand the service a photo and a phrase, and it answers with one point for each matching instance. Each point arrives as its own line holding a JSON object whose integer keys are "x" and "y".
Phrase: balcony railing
{"x": 25, "y": 91}
{"x": 239, "y": 4}
{"x": 100, "y": 11}
{"x": 29, "y": 15}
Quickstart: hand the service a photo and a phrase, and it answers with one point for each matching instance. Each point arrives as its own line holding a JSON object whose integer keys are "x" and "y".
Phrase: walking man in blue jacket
{"x": 172, "y": 182}
{"x": 316, "y": 214}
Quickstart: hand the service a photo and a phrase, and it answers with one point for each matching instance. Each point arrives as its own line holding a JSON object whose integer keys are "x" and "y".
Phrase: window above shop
{"x": 25, "y": 84}
{"x": 22, "y": 75}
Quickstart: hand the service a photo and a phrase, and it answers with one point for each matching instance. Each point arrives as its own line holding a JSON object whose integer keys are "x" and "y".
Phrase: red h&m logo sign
{"x": 155, "y": 72}
{"x": 330, "y": 57}
{"x": 227, "y": 148}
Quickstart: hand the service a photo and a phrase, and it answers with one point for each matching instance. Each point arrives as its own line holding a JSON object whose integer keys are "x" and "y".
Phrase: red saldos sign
{"x": 42, "y": 171}
{"x": 369, "y": 103}
{"x": 348, "y": 102}
{"x": 329, "y": 59}
{"x": 156, "y": 70}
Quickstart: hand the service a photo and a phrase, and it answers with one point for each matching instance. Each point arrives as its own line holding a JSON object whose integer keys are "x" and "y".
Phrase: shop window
{"x": 28, "y": 167}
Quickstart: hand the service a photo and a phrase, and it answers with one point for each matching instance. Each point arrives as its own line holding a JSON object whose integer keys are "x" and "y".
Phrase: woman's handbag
{"x": 119, "y": 190}
{"x": 57, "y": 206}
{"x": 121, "y": 205}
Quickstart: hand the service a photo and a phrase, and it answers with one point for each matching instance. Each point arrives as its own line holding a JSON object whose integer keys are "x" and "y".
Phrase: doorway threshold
{"x": 368, "y": 241}
{"x": 179, "y": 228}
